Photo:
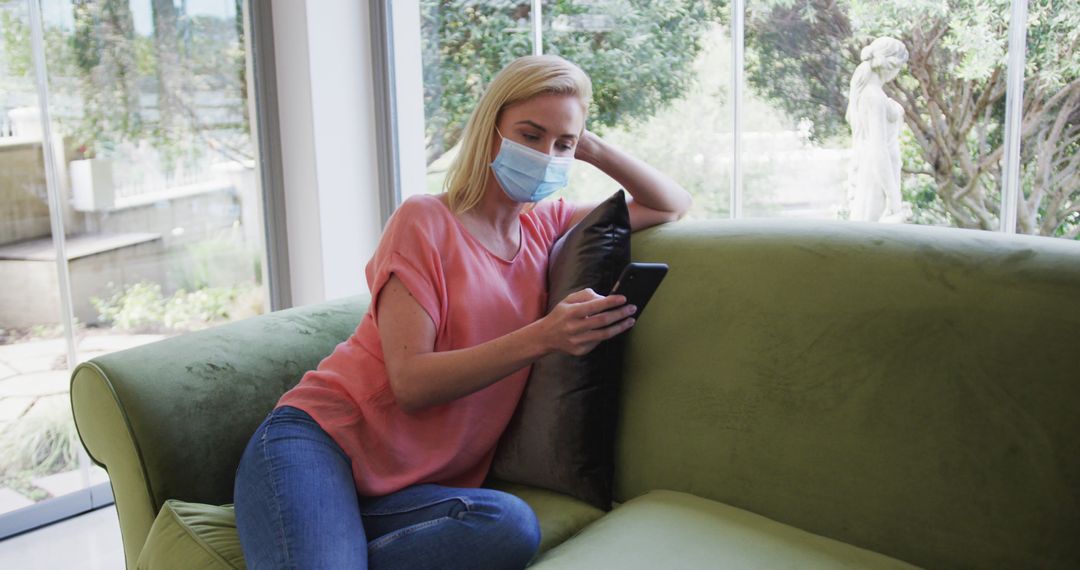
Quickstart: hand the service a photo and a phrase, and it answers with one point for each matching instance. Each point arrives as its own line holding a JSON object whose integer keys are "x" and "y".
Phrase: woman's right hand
{"x": 584, "y": 319}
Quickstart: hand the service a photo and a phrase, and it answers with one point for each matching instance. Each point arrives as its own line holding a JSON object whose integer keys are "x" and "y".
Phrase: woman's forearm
{"x": 435, "y": 378}
{"x": 429, "y": 378}
{"x": 648, "y": 186}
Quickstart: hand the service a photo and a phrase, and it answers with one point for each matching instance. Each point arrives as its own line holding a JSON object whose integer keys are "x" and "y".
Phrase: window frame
{"x": 398, "y": 35}
{"x": 258, "y": 20}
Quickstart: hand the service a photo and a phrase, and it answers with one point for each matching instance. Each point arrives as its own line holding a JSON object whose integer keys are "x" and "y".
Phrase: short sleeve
{"x": 409, "y": 249}
{"x": 552, "y": 218}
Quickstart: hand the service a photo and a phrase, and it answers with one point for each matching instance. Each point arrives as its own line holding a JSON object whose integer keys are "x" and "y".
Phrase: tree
{"x": 103, "y": 45}
{"x": 638, "y": 54}
{"x": 194, "y": 66}
{"x": 801, "y": 54}
{"x": 171, "y": 86}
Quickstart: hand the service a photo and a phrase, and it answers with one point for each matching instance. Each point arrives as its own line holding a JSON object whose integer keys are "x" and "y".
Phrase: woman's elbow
{"x": 676, "y": 210}
{"x": 688, "y": 202}
{"x": 404, "y": 396}
{"x": 678, "y": 213}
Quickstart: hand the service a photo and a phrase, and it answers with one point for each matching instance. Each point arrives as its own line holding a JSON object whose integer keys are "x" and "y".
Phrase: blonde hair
{"x": 521, "y": 79}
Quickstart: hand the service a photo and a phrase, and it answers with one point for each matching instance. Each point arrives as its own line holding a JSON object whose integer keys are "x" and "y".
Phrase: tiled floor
{"x": 33, "y": 375}
{"x": 89, "y": 541}
{"x": 34, "y": 388}
{"x": 35, "y": 369}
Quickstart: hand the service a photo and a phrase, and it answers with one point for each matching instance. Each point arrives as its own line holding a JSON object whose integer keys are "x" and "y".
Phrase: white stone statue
{"x": 875, "y": 119}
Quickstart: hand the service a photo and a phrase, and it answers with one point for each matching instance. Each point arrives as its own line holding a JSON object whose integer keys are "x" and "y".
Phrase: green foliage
{"x": 15, "y": 35}
{"x": 117, "y": 74}
{"x": 794, "y": 61}
{"x": 917, "y": 186}
{"x": 198, "y": 309}
{"x": 141, "y": 307}
{"x": 638, "y": 54}
{"x": 42, "y": 442}
{"x": 697, "y": 162}
{"x": 1053, "y": 44}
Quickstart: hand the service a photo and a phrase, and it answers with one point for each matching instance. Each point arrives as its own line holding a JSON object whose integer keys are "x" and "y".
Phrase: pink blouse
{"x": 472, "y": 296}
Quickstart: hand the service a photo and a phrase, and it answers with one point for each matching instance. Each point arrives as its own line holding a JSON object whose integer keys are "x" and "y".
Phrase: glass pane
{"x": 39, "y": 450}
{"x": 661, "y": 73}
{"x": 149, "y": 102}
{"x": 1050, "y": 149}
{"x": 151, "y": 99}
{"x": 464, "y": 43}
{"x": 928, "y": 140}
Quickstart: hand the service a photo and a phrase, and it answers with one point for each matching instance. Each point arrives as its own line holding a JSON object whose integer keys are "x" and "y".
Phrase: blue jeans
{"x": 297, "y": 507}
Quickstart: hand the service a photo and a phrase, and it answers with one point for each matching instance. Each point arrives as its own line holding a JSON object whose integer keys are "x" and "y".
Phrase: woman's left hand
{"x": 655, "y": 197}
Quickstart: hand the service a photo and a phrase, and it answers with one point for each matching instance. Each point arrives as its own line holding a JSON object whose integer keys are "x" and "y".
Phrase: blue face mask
{"x": 528, "y": 175}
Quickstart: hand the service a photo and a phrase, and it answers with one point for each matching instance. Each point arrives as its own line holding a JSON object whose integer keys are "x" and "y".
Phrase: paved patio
{"x": 34, "y": 376}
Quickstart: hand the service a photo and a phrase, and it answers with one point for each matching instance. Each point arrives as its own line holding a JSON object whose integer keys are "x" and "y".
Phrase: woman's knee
{"x": 287, "y": 460}
{"x": 516, "y": 531}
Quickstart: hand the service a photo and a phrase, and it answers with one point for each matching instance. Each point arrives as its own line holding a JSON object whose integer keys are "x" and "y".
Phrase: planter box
{"x": 92, "y": 188}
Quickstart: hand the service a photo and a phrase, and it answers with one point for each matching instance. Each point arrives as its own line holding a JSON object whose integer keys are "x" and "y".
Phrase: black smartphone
{"x": 638, "y": 282}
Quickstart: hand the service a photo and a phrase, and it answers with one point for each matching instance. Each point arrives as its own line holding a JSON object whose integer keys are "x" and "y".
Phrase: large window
{"x": 671, "y": 78}
{"x": 943, "y": 108}
{"x": 152, "y": 190}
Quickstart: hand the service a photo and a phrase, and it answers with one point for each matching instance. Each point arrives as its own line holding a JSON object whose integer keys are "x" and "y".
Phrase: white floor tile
{"x": 11, "y": 500}
{"x": 69, "y": 482}
{"x": 89, "y": 541}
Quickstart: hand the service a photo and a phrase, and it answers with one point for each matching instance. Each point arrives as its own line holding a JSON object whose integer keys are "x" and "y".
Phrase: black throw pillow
{"x": 562, "y": 435}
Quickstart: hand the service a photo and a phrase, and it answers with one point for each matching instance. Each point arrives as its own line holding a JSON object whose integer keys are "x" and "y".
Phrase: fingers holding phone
{"x": 638, "y": 282}
{"x": 585, "y": 319}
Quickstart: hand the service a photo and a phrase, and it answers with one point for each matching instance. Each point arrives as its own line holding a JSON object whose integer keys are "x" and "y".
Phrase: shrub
{"x": 143, "y": 308}
{"x": 42, "y": 442}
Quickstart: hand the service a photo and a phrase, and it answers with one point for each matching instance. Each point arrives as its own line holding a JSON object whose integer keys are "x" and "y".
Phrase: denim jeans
{"x": 297, "y": 507}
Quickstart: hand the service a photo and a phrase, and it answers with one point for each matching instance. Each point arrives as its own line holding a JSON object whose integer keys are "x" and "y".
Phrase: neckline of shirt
{"x": 461, "y": 228}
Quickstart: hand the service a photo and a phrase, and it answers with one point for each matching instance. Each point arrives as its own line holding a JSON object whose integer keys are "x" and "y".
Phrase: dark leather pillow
{"x": 562, "y": 435}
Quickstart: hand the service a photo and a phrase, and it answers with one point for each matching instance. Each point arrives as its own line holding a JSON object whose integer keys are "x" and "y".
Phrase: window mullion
{"x": 1014, "y": 105}
{"x": 537, "y": 28}
{"x": 738, "y": 10}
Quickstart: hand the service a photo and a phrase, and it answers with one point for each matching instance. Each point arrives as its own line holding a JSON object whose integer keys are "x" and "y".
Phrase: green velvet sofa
{"x": 798, "y": 395}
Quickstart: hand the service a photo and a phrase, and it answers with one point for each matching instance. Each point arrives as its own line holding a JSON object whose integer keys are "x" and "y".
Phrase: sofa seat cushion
{"x": 667, "y": 529}
{"x": 192, "y": 535}
{"x": 561, "y": 516}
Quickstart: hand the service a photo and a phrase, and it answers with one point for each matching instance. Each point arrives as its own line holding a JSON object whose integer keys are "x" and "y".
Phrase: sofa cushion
{"x": 562, "y": 435}
{"x": 668, "y": 529}
{"x": 560, "y": 516}
{"x": 192, "y": 535}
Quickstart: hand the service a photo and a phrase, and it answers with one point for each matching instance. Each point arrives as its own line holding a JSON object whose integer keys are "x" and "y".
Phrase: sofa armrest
{"x": 170, "y": 420}
{"x": 107, "y": 437}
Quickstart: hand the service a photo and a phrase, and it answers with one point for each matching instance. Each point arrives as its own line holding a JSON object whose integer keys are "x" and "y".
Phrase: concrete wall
{"x": 205, "y": 238}
{"x": 24, "y": 206}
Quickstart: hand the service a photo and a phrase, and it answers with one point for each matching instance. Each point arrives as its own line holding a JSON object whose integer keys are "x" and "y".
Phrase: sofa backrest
{"x": 170, "y": 420}
{"x": 908, "y": 389}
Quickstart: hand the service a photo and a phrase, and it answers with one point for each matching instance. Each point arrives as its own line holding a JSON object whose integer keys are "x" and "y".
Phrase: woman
{"x": 376, "y": 457}
{"x": 875, "y": 121}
